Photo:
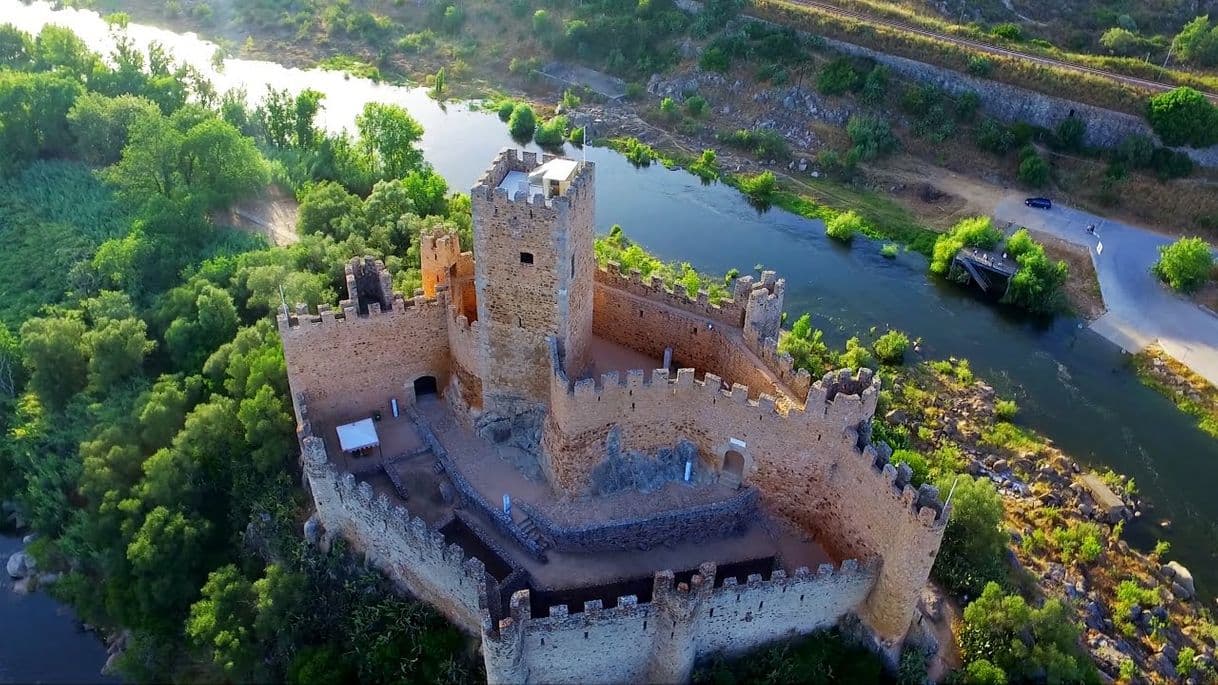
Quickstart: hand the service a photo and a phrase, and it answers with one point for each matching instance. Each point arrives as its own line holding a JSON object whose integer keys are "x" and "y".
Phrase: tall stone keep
{"x": 533, "y": 236}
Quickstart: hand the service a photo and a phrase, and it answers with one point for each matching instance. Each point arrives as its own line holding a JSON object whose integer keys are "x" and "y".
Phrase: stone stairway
{"x": 529, "y": 527}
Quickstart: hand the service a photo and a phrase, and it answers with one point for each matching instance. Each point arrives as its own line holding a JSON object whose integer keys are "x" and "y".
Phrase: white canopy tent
{"x": 357, "y": 435}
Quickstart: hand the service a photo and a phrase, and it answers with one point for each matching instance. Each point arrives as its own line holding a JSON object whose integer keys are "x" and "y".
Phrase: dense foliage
{"x": 149, "y": 437}
{"x": 1184, "y": 117}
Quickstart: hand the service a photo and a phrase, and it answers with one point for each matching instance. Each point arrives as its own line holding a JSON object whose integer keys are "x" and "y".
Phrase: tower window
{"x": 572, "y": 266}
{"x": 526, "y": 257}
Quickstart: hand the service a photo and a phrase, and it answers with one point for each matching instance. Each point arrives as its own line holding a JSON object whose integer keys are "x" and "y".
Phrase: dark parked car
{"x": 1039, "y": 202}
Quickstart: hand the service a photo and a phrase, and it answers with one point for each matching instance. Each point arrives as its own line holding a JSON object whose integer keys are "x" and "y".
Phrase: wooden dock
{"x": 989, "y": 270}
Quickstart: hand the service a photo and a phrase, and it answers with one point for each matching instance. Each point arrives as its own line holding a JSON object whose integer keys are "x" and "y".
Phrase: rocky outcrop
{"x": 21, "y": 565}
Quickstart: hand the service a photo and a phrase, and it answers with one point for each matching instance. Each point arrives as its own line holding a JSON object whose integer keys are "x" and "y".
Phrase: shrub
{"x": 993, "y": 137}
{"x": 1008, "y": 31}
{"x": 980, "y": 65}
{"x": 1197, "y": 42}
{"x": 505, "y": 109}
{"x": 759, "y": 187}
{"x": 1183, "y": 116}
{"x": 522, "y": 123}
{"x": 715, "y": 58}
{"x": 552, "y": 133}
{"x": 1024, "y": 643}
{"x": 1120, "y": 41}
{"x": 890, "y": 348}
{"x": 1079, "y": 542}
{"x": 1070, "y": 133}
{"x": 764, "y": 143}
{"x": 844, "y": 226}
{"x": 1005, "y": 410}
{"x": 838, "y": 77}
{"x": 696, "y": 106}
{"x": 541, "y": 23}
{"x": 890, "y": 251}
{"x": 1135, "y": 150}
{"x": 668, "y": 107}
{"x": 1033, "y": 169}
{"x": 1037, "y": 285}
{"x": 875, "y": 86}
{"x": 569, "y": 100}
{"x": 872, "y": 136}
{"x": 1185, "y": 265}
{"x": 704, "y": 167}
{"x": 1129, "y": 595}
{"x": 977, "y": 232}
{"x": 577, "y": 136}
{"x": 916, "y": 463}
{"x": 856, "y": 355}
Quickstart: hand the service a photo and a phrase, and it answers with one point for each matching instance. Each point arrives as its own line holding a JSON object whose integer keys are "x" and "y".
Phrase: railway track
{"x": 1146, "y": 84}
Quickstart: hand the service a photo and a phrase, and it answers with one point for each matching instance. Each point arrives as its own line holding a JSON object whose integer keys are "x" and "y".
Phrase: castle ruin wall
{"x": 659, "y": 641}
{"x": 343, "y": 362}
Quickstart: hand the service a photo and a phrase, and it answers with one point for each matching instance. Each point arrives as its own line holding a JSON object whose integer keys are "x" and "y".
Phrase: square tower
{"x": 534, "y": 226}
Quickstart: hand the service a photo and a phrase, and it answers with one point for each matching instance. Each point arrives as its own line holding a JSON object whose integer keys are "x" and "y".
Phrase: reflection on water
{"x": 42, "y": 642}
{"x": 1070, "y": 384}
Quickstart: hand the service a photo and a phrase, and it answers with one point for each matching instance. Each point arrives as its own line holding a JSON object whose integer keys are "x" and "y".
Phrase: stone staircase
{"x": 529, "y": 527}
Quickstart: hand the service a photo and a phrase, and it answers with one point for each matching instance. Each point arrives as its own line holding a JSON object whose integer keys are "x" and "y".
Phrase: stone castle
{"x": 571, "y": 461}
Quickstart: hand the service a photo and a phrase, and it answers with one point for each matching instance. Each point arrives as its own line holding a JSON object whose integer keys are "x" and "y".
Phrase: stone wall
{"x": 345, "y": 363}
{"x": 701, "y": 522}
{"x": 812, "y": 463}
{"x": 647, "y": 317}
{"x": 659, "y": 641}
{"x": 1105, "y": 128}
{"x": 412, "y": 554}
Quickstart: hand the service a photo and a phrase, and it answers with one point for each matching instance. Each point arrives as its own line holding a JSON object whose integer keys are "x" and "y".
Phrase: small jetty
{"x": 991, "y": 271}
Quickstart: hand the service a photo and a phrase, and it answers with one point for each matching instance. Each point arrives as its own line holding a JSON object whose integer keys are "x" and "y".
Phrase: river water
{"x": 1070, "y": 384}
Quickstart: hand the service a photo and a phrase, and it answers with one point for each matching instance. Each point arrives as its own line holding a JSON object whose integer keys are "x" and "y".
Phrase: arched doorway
{"x": 733, "y": 468}
{"x": 425, "y": 386}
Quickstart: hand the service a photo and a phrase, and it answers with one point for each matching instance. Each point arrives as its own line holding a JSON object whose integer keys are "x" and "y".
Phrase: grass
{"x": 52, "y": 216}
{"x": 1191, "y": 393}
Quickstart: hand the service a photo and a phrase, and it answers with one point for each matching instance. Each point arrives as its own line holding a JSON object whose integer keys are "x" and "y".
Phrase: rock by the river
{"x": 1182, "y": 577}
{"x": 20, "y": 565}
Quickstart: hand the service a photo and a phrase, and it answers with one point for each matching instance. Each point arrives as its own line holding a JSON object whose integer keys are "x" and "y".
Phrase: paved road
{"x": 1140, "y": 309}
{"x": 1134, "y": 81}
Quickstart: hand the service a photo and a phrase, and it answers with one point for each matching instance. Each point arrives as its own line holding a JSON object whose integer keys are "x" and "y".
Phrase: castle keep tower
{"x": 533, "y": 234}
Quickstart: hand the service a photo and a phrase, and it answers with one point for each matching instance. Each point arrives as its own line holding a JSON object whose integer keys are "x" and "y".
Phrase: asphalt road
{"x": 1141, "y": 310}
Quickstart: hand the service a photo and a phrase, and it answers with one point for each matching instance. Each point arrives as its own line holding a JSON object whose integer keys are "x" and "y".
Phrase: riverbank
{"x": 1190, "y": 392}
{"x": 1139, "y": 611}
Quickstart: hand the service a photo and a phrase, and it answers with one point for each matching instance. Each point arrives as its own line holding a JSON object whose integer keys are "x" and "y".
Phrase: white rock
{"x": 20, "y": 565}
{"x": 1182, "y": 576}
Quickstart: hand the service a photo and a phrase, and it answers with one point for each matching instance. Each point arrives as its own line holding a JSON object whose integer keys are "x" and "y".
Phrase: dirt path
{"x": 272, "y": 215}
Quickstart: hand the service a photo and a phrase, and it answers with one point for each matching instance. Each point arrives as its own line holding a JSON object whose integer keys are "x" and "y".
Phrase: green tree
{"x": 219, "y": 164}
{"x": 1070, "y": 133}
{"x": 221, "y": 622}
{"x": 439, "y": 84}
{"x": 116, "y": 349}
{"x": 1022, "y": 642}
{"x": 1033, "y": 169}
{"x": 552, "y": 133}
{"x": 207, "y": 319}
{"x": 916, "y": 462}
{"x": 974, "y": 544}
{"x": 16, "y": 47}
{"x": 759, "y": 187}
{"x": 55, "y": 356}
{"x": 872, "y": 136}
{"x": 150, "y": 161}
{"x": 1183, "y": 116}
{"x": 1037, "y": 285}
{"x": 838, "y": 77}
{"x": 890, "y": 348}
{"x": 270, "y": 427}
{"x": 522, "y": 123}
{"x": 33, "y": 115}
{"x": 668, "y": 107}
{"x": 695, "y": 105}
{"x": 168, "y": 557}
{"x": 1120, "y": 41}
{"x": 1185, "y": 265}
{"x": 326, "y": 208}
{"x": 976, "y": 231}
{"x": 1197, "y": 42}
{"x": 391, "y": 136}
{"x": 807, "y": 347}
{"x": 100, "y": 124}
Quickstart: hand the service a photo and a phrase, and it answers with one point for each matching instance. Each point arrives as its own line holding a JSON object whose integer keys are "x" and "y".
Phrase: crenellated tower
{"x": 533, "y": 234}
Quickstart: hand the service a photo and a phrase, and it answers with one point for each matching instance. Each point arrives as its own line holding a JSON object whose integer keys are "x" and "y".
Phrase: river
{"x": 1070, "y": 384}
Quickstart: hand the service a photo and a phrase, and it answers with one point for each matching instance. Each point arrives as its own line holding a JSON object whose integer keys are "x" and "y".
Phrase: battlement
{"x": 728, "y": 312}
{"x": 493, "y": 184}
{"x": 301, "y": 322}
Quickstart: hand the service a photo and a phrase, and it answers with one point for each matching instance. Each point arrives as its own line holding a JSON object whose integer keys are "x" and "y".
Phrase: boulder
{"x": 932, "y": 603}
{"x": 21, "y": 565}
{"x": 312, "y": 530}
{"x": 1182, "y": 576}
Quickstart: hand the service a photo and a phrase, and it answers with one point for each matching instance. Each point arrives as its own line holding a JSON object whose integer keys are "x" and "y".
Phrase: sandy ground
{"x": 272, "y": 215}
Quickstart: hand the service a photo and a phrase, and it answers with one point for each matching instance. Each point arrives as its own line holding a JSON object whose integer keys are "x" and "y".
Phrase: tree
{"x": 890, "y": 348}
{"x": 439, "y": 83}
{"x": 1183, "y": 116}
{"x": 100, "y": 124}
{"x": 220, "y": 165}
{"x": 16, "y": 47}
{"x": 976, "y": 231}
{"x": 167, "y": 557}
{"x": 1024, "y": 643}
{"x": 55, "y": 356}
{"x": 326, "y": 208}
{"x": 668, "y": 107}
{"x": 150, "y": 161}
{"x": 1037, "y": 285}
{"x": 269, "y": 427}
{"x": 1197, "y": 42}
{"x": 1121, "y": 41}
{"x": 116, "y": 349}
{"x": 10, "y": 364}
{"x": 974, "y": 544}
{"x": 208, "y": 319}
{"x": 1185, "y": 265}
{"x": 872, "y": 136}
{"x": 390, "y": 135}
{"x": 759, "y": 187}
{"x": 552, "y": 133}
{"x": 33, "y": 115}
{"x": 1070, "y": 133}
{"x": 221, "y": 622}
{"x": 838, "y": 77}
{"x": 522, "y": 123}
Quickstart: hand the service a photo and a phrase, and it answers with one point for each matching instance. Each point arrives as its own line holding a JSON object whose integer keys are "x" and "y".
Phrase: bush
{"x": 522, "y": 123}
{"x": 1033, "y": 169}
{"x": 505, "y": 109}
{"x": 715, "y": 58}
{"x": 696, "y": 106}
{"x": 838, "y": 77}
{"x": 1120, "y": 41}
{"x": 845, "y": 226}
{"x": 1037, "y": 285}
{"x": 764, "y": 143}
{"x": 992, "y": 136}
{"x": 980, "y": 65}
{"x": 1005, "y": 410}
{"x": 890, "y": 251}
{"x": 705, "y": 167}
{"x": 890, "y": 348}
{"x": 1183, "y": 116}
{"x": 668, "y": 107}
{"x": 973, "y": 232}
{"x": 1070, "y": 133}
{"x": 1007, "y": 30}
{"x": 1197, "y": 42}
{"x": 1129, "y": 595}
{"x": 1185, "y": 265}
{"x": 552, "y": 133}
{"x": 872, "y": 136}
{"x": 916, "y": 463}
{"x": 760, "y": 187}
